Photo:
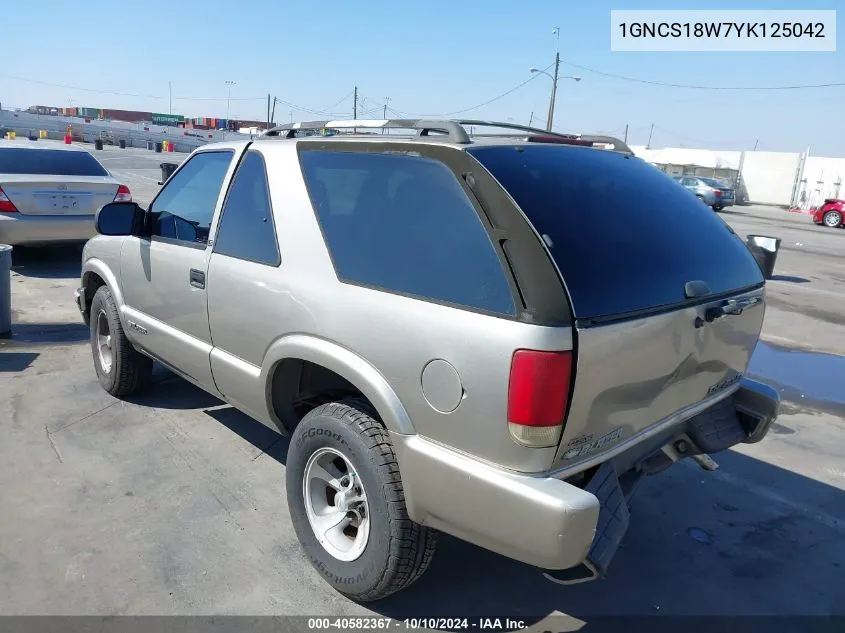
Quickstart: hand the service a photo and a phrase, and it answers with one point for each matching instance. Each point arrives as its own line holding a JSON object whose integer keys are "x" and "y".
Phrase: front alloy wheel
{"x": 104, "y": 348}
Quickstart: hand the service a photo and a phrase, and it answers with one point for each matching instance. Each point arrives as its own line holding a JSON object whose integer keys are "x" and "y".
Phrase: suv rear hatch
{"x": 650, "y": 274}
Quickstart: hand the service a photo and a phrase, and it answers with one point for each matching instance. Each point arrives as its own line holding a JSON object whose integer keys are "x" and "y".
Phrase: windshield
{"x": 49, "y": 162}
{"x": 625, "y": 237}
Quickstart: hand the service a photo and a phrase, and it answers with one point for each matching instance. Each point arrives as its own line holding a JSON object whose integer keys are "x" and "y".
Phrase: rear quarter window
{"x": 625, "y": 237}
{"x": 48, "y": 162}
{"x": 402, "y": 223}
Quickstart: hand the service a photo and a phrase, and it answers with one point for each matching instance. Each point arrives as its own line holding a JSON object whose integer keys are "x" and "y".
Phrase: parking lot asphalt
{"x": 174, "y": 503}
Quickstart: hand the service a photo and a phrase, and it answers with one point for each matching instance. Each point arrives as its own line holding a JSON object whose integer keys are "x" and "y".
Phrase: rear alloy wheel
{"x": 347, "y": 503}
{"x": 832, "y": 219}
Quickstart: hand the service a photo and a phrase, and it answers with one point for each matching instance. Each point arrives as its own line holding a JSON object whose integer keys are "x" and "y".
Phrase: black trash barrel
{"x": 167, "y": 170}
{"x": 765, "y": 251}
{"x": 98, "y": 143}
{"x": 122, "y": 143}
{"x": 158, "y": 147}
{"x": 5, "y": 291}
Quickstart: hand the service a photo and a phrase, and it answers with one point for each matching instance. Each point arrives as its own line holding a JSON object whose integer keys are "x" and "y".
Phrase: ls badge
{"x": 724, "y": 384}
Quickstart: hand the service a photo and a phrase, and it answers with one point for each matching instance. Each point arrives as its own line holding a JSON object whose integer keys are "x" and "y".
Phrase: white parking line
{"x": 131, "y": 174}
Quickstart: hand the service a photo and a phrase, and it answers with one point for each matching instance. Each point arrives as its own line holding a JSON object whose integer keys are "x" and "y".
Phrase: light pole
{"x": 556, "y": 32}
{"x": 229, "y": 83}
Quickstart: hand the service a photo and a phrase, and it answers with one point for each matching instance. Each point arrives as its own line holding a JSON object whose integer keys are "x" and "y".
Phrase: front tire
{"x": 347, "y": 504}
{"x": 832, "y": 219}
{"x": 121, "y": 369}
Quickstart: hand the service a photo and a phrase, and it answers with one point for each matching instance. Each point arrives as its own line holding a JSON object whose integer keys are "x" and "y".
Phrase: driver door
{"x": 164, "y": 273}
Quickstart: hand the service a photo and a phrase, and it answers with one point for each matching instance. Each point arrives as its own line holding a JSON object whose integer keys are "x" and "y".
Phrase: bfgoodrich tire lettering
{"x": 398, "y": 550}
{"x": 128, "y": 370}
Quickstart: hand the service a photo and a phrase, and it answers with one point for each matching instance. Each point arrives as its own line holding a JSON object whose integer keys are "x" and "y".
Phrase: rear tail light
{"x": 538, "y": 393}
{"x": 123, "y": 194}
{"x": 6, "y": 205}
{"x": 717, "y": 192}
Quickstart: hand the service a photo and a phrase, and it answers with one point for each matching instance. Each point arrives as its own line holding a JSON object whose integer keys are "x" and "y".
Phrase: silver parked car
{"x": 448, "y": 327}
{"x": 49, "y": 193}
{"x": 714, "y": 193}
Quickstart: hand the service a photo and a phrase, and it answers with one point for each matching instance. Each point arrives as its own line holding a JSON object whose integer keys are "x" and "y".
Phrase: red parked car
{"x": 831, "y": 213}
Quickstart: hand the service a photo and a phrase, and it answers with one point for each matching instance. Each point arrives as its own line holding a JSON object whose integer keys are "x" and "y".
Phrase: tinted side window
{"x": 184, "y": 208}
{"x": 246, "y": 229}
{"x": 625, "y": 237}
{"x": 404, "y": 224}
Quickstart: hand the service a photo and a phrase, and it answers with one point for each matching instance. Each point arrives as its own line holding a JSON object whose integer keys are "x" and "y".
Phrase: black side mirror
{"x": 119, "y": 218}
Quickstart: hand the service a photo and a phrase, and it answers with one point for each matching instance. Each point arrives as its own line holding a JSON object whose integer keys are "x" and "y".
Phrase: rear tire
{"x": 343, "y": 440}
{"x": 832, "y": 219}
{"x": 121, "y": 369}
{"x": 717, "y": 207}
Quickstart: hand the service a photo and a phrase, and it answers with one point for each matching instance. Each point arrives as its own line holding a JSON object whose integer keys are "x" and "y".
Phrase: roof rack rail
{"x": 453, "y": 130}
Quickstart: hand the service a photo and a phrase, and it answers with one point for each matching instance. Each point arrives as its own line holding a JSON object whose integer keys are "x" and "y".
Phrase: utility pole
{"x": 273, "y": 113}
{"x": 648, "y": 145}
{"x": 755, "y": 144}
{"x": 384, "y": 114}
{"x": 531, "y": 118}
{"x": 355, "y": 104}
{"x": 626, "y": 134}
{"x": 268, "y": 111}
{"x": 170, "y": 96}
{"x": 554, "y": 81}
{"x": 229, "y": 96}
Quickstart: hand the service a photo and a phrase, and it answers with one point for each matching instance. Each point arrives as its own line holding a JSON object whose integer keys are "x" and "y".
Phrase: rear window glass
{"x": 49, "y": 162}
{"x": 402, "y": 223}
{"x": 712, "y": 182}
{"x": 624, "y": 235}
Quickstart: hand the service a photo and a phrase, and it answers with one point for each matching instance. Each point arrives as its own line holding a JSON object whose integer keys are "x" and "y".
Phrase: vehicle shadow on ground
{"x": 749, "y": 524}
{"x": 48, "y": 262}
{"x": 790, "y": 278}
{"x": 686, "y": 525}
{"x": 14, "y": 362}
{"x": 169, "y": 391}
{"x": 273, "y": 444}
{"x": 49, "y": 333}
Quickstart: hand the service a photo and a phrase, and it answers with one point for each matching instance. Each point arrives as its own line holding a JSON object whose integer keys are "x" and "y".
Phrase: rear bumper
{"x": 20, "y": 229}
{"x": 545, "y": 521}
{"x": 541, "y": 521}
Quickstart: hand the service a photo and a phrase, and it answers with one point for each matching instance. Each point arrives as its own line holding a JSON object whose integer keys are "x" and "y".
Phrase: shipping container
{"x": 128, "y": 116}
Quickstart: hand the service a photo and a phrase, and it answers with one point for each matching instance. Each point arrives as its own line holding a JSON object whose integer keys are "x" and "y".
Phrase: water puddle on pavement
{"x": 800, "y": 375}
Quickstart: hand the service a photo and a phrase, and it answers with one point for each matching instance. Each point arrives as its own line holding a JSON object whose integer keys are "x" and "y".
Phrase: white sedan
{"x": 49, "y": 193}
